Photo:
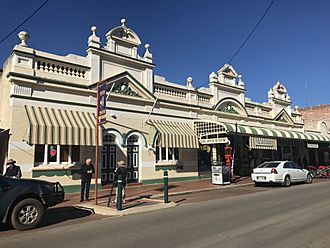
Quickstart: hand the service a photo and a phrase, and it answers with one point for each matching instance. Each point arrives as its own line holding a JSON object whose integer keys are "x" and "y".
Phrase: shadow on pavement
{"x": 56, "y": 215}
{"x": 5, "y": 227}
{"x": 61, "y": 214}
{"x": 269, "y": 185}
{"x": 161, "y": 189}
{"x": 180, "y": 200}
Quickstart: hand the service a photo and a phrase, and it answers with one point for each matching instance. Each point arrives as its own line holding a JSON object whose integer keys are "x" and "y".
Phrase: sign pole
{"x": 97, "y": 142}
{"x": 234, "y": 153}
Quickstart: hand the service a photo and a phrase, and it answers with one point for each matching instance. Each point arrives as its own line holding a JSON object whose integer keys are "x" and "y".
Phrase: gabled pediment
{"x": 228, "y": 70}
{"x": 125, "y": 84}
{"x": 283, "y": 116}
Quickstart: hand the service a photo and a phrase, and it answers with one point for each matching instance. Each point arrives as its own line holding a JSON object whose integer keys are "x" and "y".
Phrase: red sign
{"x": 52, "y": 151}
{"x": 228, "y": 155}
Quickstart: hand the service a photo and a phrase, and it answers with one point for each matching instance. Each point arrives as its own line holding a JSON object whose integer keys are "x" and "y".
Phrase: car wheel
{"x": 287, "y": 181}
{"x": 309, "y": 178}
{"x": 27, "y": 214}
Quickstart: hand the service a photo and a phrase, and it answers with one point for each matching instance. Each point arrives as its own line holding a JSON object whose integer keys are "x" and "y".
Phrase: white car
{"x": 284, "y": 172}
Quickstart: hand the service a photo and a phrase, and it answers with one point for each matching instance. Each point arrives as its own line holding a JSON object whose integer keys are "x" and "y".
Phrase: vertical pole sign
{"x": 100, "y": 119}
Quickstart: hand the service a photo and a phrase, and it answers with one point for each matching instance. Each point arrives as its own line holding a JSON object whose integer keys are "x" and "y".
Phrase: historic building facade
{"x": 47, "y": 115}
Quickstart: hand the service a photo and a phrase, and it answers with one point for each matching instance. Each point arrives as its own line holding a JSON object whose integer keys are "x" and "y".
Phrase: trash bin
{"x": 220, "y": 174}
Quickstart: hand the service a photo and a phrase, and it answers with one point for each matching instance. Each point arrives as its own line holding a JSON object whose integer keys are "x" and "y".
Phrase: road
{"x": 298, "y": 216}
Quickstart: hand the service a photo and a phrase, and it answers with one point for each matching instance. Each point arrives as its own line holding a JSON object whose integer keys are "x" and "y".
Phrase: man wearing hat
{"x": 121, "y": 170}
{"x": 13, "y": 170}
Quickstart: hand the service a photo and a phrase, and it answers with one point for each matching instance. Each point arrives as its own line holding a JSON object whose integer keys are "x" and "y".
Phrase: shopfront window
{"x": 64, "y": 154}
{"x": 56, "y": 154}
{"x": 75, "y": 153}
{"x": 52, "y": 154}
{"x": 167, "y": 154}
{"x": 39, "y": 153}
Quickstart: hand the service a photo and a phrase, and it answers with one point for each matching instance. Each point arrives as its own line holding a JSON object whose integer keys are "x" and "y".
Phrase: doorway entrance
{"x": 109, "y": 158}
{"x": 133, "y": 159}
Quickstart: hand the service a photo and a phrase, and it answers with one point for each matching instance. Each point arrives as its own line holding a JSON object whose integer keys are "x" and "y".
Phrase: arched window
{"x": 132, "y": 140}
{"x": 109, "y": 138}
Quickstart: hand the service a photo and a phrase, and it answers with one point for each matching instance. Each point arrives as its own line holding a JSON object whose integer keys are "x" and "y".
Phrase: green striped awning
{"x": 60, "y": 126}
{"x": 175, "y": 134}
{"x": 260, "y": 131}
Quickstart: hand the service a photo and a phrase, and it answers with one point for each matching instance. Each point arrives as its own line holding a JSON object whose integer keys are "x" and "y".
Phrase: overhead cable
{"x": 20, "y": 25}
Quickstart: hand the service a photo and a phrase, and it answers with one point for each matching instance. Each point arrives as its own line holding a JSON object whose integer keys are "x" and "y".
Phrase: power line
{"x": 255, "y": 27}
{"x": 249, "y": 36}
{"x": 20, "y": 25}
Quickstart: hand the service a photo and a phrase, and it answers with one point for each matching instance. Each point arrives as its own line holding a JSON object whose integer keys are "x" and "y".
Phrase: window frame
{"x": 287, "y": 164}
{"x": 170, "y": 154}
{"x": 58, "y": 156}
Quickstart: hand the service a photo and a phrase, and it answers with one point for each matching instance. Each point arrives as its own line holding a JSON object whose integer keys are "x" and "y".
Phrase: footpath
{"x": 143, "y": 198}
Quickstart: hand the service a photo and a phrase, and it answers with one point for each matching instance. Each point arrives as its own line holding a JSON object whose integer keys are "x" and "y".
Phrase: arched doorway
{"x": 109, "y": 158}
{"x": 133, "y": 158}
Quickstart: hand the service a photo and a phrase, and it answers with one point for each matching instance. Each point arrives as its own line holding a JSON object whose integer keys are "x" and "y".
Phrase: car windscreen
{"x": 269, "y": 165}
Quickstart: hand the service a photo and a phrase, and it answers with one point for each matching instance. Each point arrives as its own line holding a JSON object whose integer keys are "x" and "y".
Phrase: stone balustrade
{"x": 169, "y": 92}
{"x": 61, "y": 68}
{"x": 204, "y": 99}
{"x": 177, "y": 93}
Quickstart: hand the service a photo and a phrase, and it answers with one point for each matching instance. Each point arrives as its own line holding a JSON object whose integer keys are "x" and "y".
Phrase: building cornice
{"x": 90, "y": 105}
{"x": 16, "y": 76}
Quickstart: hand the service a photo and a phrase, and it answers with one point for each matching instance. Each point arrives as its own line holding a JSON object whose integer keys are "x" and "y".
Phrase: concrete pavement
{"x": 143, "y": 198}
{"x": 275, "y": 217}
{"x": 156, "y": 190}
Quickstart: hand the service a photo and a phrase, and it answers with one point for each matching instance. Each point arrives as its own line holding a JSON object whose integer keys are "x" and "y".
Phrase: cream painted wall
{"x": 110, "y": 69}
{"x": 19, "y": 150}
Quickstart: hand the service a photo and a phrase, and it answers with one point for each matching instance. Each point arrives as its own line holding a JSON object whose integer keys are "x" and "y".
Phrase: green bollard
{"x": 166, "y": 187}
{"x": 119, "y": 204}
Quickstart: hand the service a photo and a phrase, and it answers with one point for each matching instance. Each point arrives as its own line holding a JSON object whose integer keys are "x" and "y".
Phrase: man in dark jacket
{"x": 13, "y": 170}
{"x": 87, "y": 171}
{"x": 121, "y": 170}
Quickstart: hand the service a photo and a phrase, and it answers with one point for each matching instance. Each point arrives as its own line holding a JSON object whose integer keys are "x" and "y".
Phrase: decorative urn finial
{"x": 24, "y": 36}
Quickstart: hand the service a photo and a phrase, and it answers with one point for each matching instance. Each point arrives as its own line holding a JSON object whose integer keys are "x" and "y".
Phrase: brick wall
{"x": 312, "y": 115}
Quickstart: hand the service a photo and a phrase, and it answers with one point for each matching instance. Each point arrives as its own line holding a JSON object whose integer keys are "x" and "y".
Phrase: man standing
{"x": 13, "y": 170}
{"x": 121, "y": 170}
{"x": 87, "y": 171}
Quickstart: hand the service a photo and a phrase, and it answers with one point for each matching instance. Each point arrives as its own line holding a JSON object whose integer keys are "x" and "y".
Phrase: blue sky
{"x": 194, "y": 38}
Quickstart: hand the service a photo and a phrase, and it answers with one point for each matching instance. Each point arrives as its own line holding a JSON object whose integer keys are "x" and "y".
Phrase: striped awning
{"x": 175, "y": 134}
{"x": 260, "y": 131}
{"x": 60, "y": 126}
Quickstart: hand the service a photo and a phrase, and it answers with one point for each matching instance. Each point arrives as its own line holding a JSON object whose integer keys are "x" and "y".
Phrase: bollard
{"x": 119, "y": 205}
{"x": 166, "y": 187}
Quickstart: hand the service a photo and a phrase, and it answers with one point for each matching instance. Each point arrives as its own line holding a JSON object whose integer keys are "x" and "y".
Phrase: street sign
{"x": 311, "y": 145}
{"x": 222, "y": 140}
{"x": 102, "y": 106}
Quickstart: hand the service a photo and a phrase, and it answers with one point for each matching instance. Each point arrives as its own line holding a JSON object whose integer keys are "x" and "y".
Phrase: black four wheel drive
{"x": 24, "y": 201}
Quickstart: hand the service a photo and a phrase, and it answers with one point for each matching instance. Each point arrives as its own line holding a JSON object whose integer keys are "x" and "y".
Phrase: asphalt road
{"x": 298, "y": 216}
